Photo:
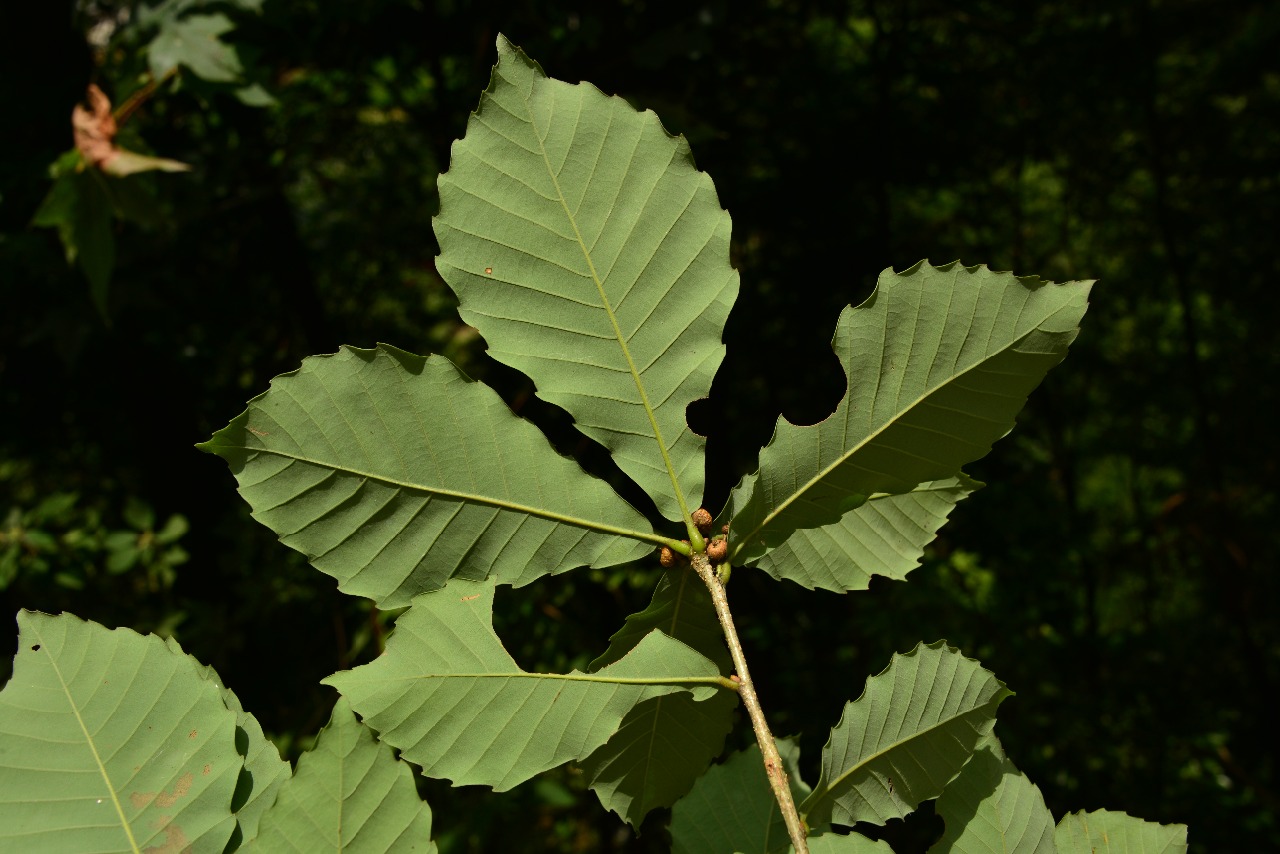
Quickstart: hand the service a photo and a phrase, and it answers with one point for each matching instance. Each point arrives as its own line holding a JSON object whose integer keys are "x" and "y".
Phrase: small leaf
{"x": 195, "y": 41}
{"x": 905, "y": 738}
{"x": 350, "y": 793}
{"x": 451, "y": 699}
{"x": 112, "y": 741}
{"x": 592, "y": 255}
{"x": 938, "y": 360}
{"x": 125, "y": 162}
{"x": 392, "y": 473}
{"x": 885, "y": 536}
{"x": 992, "y": 808}
{"x": 1106, "y": 832}
{"x": 663, "y": 744}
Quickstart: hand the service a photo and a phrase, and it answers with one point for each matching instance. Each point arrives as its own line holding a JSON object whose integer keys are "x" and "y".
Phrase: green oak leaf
{"x": 112, "y": 741}
{"x": 939, "y": 360}
{"x": 593, "y": 256}
{"x": 450, "y": 698}
{"x": 349, "y": 794}
{"x": 732, "y": 809}
{"x": 885, "y": 536}
{"x": 909, "y": 734}
{"x": 664, "y": 743}
{"x": 1107, "y": 832}
{"x": 393, "y": 472}
{"x": 992, "y": 808}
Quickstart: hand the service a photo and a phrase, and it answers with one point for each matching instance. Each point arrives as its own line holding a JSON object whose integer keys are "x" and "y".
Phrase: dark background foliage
{"x": 1115, "y": 572}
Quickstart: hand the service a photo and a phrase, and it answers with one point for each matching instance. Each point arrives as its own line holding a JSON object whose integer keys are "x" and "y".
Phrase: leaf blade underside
{"x": 908, "y": 735}
{"x": 732, "y": 809}
{"x": 110, "y": 741}
{"x": 886, "y": 536}
{"x": 1110, "y": 832}
{"x": 992, "y": 808}
{"x": 571, "y": 213}
{"x": 451, "y": 699}
{"x": 665, "y": 743}
{"x": 349, "y": 793}
{"x": 393, "y": 472}
{"x": 939, "y": 360}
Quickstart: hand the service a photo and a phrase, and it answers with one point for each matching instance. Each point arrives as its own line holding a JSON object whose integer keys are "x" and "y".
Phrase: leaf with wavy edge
{"x": 451, "y": 699}
{"x": 1107, "y": 832}
{"x": 992, "y": 808}
{"x": 264, "y": 772}
{"x": 393, "y": 472}
{"x": 663, "y": 744}
{"x": 732, "y": 809}
{"x": 885, "y": 536}
{"x": 350, "y": 793}
{"x": 908, "y": 735}
{"x": 939, "y": 360}
{"x": 593, "y": 256}
{"x": 112, "y": 741}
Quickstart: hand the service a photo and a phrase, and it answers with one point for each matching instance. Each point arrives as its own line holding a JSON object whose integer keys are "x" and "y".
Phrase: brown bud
{"x": 703, "y": 520}
{"x": 725, "y": 530}
{"x": 717, "y": 551}
{"x": 666, "y": 557}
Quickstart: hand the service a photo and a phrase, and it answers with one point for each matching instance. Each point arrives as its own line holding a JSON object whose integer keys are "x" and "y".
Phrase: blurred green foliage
{"x": 1118, "y": 570}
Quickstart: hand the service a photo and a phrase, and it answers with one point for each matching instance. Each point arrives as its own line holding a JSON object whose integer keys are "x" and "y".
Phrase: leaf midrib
{"x": 470, "y": 497}
{"x": 88, "y": 739}
{"x": 870, "y": 437}
{"x": 570, "y": 677}
{"x": 613, "y": 322}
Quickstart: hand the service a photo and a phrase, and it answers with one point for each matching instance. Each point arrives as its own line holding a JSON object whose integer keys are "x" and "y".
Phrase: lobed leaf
{"x": 908, "y": 735}
{"x": 393, "y": 472}
{"x": 592, "y": 255}
{"x": 885, "y": 536}
{"x": 992, "y": 808}
{"x": 112, "y": 741}
{"x": 1107, "y": 832}
{"x": 350, "y": 794}
{"x": 451, "y": 699}
{"x": 939, "y": 360}
{"x": 663, "y": 744}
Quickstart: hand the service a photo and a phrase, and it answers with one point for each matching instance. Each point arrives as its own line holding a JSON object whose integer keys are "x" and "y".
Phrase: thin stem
{"x": 773, "y": 767}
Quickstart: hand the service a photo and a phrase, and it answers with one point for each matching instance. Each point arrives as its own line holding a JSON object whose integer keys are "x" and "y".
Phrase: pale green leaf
{"x": 451, "y": 699}
{"x": 196, "y": 42}
{"x": 1107, "y": 832}
{"x": 349, "y": 794}
{"x": 392, "y": 472}
{"x": 908, "y": 735}
{"x": 112, "y": 741}
{"x": 264, "y": 772}
{"x": 663, "y": 744}
{"x": 680, "y": 607}
{"x": 593, "y": 256}
{"x": 992, "y": 808}
{"x": 885, "y": 536}
{"x": 846, "y": 843}
{"x": 731, "y": 808}
{"x": 939, "y": 360}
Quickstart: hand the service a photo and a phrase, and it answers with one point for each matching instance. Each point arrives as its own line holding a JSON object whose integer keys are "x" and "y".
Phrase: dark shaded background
{"x": 1116, "y": 570}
